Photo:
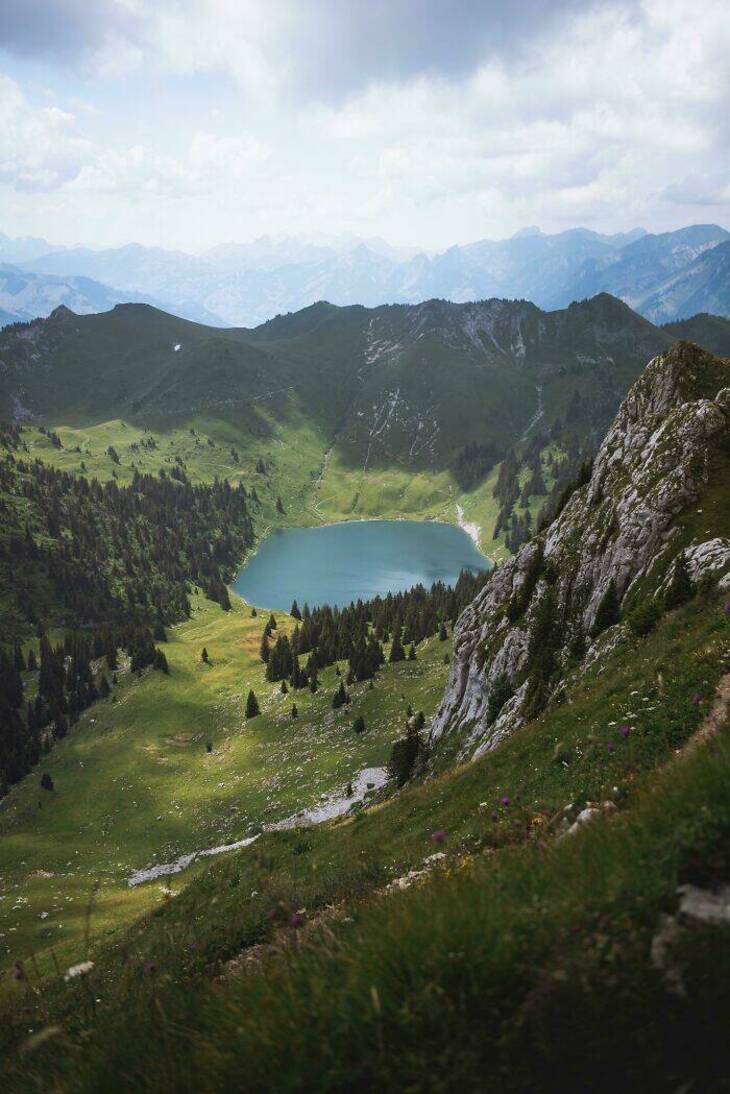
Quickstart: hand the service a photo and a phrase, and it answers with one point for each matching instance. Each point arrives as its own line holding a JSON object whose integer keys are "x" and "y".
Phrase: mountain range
{"x": 664, "y": 277}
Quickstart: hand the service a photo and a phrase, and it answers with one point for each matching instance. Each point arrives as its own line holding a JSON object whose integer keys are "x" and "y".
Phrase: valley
{"x": 563, "y": 685}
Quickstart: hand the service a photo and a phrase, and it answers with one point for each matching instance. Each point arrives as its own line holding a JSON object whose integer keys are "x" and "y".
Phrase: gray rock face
{"x": 657, "y": 459}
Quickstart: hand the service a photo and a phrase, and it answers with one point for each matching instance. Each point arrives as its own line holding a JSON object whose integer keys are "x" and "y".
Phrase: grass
{"x": 525, "y": 959}
{"x": 135, "y": 784}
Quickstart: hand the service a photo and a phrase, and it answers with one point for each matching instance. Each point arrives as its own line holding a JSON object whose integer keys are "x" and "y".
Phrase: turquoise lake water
{"x": 339, "y": 563}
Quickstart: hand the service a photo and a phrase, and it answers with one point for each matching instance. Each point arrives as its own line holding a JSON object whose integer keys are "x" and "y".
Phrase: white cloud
{"x": 616, "y": 114}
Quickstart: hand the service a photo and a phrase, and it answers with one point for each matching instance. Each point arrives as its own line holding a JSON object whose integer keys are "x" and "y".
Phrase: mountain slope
{"x": 702, "y": 286}
{"x": 391, "y": 411}
{"x": 614, "y": 547}
{"x": 331, "y": 362}
{"x": 550, "y": 917}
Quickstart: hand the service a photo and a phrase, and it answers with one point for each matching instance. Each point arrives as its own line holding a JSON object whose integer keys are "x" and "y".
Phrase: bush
{"x": 644, "y": 617}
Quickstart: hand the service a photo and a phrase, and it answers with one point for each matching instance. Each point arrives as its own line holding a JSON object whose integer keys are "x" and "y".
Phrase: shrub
{"x": 644, "y": 617}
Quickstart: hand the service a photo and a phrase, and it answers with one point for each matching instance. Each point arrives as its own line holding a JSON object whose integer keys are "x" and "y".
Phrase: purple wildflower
{"x": 297, "y": 919}
{"x": 727, "y": 608}
{"x": 611, "y": 746}
{"x": 625, "y": 730}
{"x": 697, "y": 699}
{"x": 505, "y": 800}
{"x": 438, "y": 837}
{"x": 495, "y": 815}
{"x": 18, "y": 971}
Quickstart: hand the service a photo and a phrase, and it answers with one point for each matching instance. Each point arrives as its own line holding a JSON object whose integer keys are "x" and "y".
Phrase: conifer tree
{"x": 252, "y": 706}
{"x": 412, "y": 653}
{"x": 46, "y": 781}
{"x": 295, "y": 613}
{"x": 443, "y": 633}
{"x": 397, "y": 653}
{"x": 609, "y": 610}
{"x": 294, "y": 712}
{"x": 204, "y": 655}
{"x": 681, "y": 588}
{"x": 359, "y": 724}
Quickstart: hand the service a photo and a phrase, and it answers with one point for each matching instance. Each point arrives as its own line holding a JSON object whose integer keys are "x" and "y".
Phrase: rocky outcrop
{"x": 613, "y": 545}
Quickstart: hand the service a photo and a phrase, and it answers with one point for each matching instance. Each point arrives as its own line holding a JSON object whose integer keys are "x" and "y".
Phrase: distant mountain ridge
{"x": 665, "y": 276}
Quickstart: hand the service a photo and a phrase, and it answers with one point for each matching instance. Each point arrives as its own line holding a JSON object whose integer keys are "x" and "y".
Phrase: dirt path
{"x": 715, "y": 718}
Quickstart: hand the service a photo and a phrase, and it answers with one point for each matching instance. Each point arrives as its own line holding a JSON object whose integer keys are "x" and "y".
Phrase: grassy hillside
{"x": 517, "y": 963}
{"x": 136, "y": 785}
{"x": 353, "y": 411}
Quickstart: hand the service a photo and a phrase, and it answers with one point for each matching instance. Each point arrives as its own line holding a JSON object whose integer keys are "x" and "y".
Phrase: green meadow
{"x": 136, "y": 785}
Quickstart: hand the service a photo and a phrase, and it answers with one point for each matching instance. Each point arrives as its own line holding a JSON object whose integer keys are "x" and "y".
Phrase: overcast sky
{"x": 186, "y": 123}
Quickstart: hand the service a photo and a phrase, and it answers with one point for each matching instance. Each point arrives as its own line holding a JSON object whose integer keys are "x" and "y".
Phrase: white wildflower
{"x": 78, "y": 970}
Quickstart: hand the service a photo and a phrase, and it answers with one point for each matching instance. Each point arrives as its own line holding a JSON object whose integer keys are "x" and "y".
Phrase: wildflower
{"x": 150, "y": 967}
{"x": 625, "y": 730}
{"x": 505, "y": 800}
{"x": 495, "y": 815}
{"x": 78, "y": 970}
{"x": 297, "y": 919}
{"x": 611, "y": 746}
{"x": 727, "y": 608}
{"x": 697, "y": 699}
{"x": 18, "y": 971}
{"x": 438, "y": 837}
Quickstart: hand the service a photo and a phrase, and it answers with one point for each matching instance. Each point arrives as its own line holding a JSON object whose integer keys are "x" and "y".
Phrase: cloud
{"x": 324, "y": 50}
{"x": 66, "y": 29}
{"x": 38, "y": 147}
{"x": 711, "y": 188}
{"x": 217, "y": 119}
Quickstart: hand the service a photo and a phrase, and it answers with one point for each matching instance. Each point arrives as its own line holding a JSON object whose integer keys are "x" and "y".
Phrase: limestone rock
{"x": 654, "y": 464}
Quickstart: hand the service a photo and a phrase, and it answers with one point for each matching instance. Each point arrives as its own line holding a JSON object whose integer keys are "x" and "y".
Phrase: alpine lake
{"x": 337, "y": 564}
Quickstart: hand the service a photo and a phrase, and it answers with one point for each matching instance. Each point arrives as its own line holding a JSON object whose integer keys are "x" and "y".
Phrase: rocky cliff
{"x": 656, "y": 500}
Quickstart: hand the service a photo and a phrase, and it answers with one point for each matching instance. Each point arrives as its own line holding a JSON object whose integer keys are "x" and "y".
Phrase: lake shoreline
{"x": 392, "y": 555}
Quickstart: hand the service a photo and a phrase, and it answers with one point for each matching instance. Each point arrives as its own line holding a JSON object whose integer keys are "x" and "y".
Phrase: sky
{"x": 188, "y": 123}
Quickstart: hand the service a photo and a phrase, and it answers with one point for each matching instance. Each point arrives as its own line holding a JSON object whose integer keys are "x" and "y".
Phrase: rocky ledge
{"x": 614, "y": 545}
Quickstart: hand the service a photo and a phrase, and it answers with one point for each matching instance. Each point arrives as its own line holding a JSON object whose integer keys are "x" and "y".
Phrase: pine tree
{"x": 295, "y": 613}
{"x": 443, "y": 633}
{"x": 252, "y": 706}
{"x": 397, "y": 653}
{"x": 284, "y": 687}
{"x": 265, "y": 649}
{"x": 32, "y": 661}
{"x": 340, "y": 697}
{"x": 609, "y": 610}
{"x": 412, "y": 653}
{"x": 359, "y": 724}
{"x": 403, "y": 756}
{"x": 204, "y": 655}
{"x": 254, "y": 613}
{"x": 681, "y": 588}
{"x": 294, "y": 712}
{"x": 279, "y": 506}
{"x": 46, "y": 781}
